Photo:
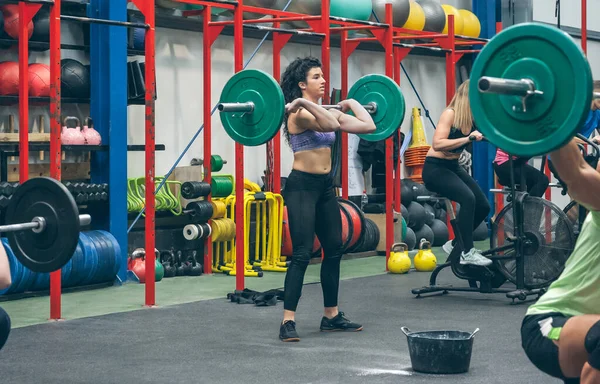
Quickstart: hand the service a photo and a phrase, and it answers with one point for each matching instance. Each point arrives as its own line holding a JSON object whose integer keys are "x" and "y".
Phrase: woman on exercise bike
{"x": 5, "y": 282}
{"x": 561, "y": 331}
{"x": 443, "y": 174}
{"x": 535, "y": 180}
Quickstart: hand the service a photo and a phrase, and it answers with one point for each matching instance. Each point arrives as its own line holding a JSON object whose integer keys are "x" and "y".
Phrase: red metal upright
{"x": 584, "y": 25}
{"x": 207, "y": 75}
{"x": 344, "y": 63}
{"x": 398, "y": 172}
{"x": 279, "y": 41}
{"x": 147, "y": 9}
{"x": 389, "y": 143}
{"x": 325, "y": 50}
{"x": 55, "y": 144}
{"x": 238, "y": 37}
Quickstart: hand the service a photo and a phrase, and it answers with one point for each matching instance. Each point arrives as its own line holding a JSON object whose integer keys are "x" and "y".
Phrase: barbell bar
{"x": 43, "y": 224}
{"x": 249, "y": 107}
{"x": 532, "y": 89}
{"x": 252, "y": 106}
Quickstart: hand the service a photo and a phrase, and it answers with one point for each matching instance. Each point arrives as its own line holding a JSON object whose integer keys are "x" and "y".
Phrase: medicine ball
{"x": 11, "y": 21}
{"x": 41, "y": 26}
{"x": 440, "y": 233}
{"x": 400, "y": 9}
{"x": 441, "y": 215}
{"x": 39, "y": 80}
{"x": 481, "y": 232}
{"x": 426, "y": 233}
{"x": 435, "y": 17}
{"x": 420, "y": 190}
{"x": 406, "y": 194}
{"x": 9, "y": 78}
{"x": 75, "y": 79}
{"x": 404, "y": 211}
{"x": 429, "y": 214}
{"x": 416, "y": 215}
{"x": 410, "y": 240}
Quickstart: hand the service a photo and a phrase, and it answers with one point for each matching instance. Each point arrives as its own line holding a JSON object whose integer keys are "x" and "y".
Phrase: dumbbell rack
{"x": 27, "y": 10}
{"x": 322, "y": 26}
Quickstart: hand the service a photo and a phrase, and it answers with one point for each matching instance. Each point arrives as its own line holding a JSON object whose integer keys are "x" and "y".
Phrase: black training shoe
{"x": 339, "y": 323}
{"x": 287, "y": 331}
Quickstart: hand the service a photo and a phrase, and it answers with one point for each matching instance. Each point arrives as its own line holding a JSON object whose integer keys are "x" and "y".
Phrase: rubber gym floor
{"x": 196, "y": 335}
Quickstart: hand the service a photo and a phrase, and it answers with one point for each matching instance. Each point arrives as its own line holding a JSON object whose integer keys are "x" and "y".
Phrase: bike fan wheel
{"x": 550, "y": 241}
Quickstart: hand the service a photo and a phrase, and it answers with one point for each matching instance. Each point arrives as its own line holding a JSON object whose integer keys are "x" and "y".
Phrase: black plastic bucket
{"x": 441, "y": 352}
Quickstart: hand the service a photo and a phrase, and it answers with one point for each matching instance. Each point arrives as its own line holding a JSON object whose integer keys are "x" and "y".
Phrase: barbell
{"x": 532, "y": 89}
{"x": 252, "y": 106}
{"x": 43, "y": 224}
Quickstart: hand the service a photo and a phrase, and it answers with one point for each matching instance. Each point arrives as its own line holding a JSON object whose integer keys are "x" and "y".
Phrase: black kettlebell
{"x": 196, "y": 267}
{"x": 179, "y": 264}
{"x": 166, "y": 259}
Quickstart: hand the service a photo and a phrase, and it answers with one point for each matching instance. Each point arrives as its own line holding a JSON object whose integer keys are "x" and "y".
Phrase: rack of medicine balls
{"x": 75, "y": 76}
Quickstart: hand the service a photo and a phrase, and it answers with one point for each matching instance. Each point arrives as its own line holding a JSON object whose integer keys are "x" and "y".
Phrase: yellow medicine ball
{"x": 471, "y": 24}
{"x": 416, "y": 18}
{"x": 458, "y": 20}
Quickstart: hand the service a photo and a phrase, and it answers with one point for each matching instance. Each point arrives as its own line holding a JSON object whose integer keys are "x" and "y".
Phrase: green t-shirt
{"x": 577, "y": 290}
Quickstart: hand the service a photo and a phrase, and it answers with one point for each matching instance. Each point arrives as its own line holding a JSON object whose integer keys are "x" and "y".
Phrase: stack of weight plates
{"x": 96, "y": 260}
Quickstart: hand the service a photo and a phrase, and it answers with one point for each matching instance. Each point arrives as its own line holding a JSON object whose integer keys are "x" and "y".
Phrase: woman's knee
{"x": 4, "y": 327}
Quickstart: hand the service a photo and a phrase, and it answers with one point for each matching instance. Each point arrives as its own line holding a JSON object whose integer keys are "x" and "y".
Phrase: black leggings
{"x": 312, "y": 208}
{"x": 4, "y": 327}
{"x": 450, "y": 180}
{"x": 536, "y": 181}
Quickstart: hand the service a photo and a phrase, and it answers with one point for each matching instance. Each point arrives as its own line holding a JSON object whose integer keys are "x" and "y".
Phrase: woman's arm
{"x": 582, "y": 180}
{"x": 361, "y": 122}
{"x": 312, "y": 116}
{"x": 5, "y": 280}
{"x": 441, "y": 142}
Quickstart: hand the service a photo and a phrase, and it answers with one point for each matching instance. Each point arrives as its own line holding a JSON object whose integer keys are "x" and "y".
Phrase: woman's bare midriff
{"x": 317, "y": 161}
{"x": 442, "y": 155}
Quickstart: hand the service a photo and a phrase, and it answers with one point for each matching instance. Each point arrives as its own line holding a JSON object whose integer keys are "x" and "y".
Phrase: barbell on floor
{"x": 532, "y": 89}
{"x": 43, "y": 224}
{"x": 252, "y": 106}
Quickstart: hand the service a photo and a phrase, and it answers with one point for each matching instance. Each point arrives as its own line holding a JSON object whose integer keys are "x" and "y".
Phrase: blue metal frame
{"x": 108, "y": 59}
{"x": 484, "y": 153}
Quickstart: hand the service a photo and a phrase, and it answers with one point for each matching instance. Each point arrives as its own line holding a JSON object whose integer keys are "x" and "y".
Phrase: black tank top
{"x": 456, "y": 133}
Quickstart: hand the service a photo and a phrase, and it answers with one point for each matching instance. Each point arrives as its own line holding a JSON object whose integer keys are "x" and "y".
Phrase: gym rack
{"x": 27, "y": 10}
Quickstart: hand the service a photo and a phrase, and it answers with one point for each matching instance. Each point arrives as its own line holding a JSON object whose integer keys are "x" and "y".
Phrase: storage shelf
{"x": 13, "y": 148}
{"x": 14, "y": 100}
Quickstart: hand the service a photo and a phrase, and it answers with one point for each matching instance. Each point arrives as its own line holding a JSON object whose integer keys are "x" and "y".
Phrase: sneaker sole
{"x": 474, "y": 264}
{"x": 342, "y": 330}
{"x": 291, "y": 339}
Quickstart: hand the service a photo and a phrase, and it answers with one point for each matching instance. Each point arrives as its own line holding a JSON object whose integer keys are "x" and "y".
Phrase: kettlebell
{"x": 179, "y": 264}
{"x": 425, "y": 260}
{"x": 159, "y": 271}
{"x": 92, "y": 137}
{"x": 166, "y": 258}
{"x": 196, "y": 267}
{"x": 399, "y": 262}
{"x": 71, "y": 135}
{"x": 137, "y": 264}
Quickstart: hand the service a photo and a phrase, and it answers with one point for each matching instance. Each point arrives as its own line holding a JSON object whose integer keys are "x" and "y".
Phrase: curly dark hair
{"x": 296, "y": 72}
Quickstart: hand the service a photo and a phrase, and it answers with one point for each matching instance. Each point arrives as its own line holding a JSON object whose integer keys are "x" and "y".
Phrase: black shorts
{"x": 541, "y": 350}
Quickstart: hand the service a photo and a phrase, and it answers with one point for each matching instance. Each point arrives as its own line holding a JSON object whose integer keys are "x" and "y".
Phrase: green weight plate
{"x": 391, "y": 107}
{"x": 53, "y": 247}
{"x": 558, "y": 67}
{"x": 261, "y": 125}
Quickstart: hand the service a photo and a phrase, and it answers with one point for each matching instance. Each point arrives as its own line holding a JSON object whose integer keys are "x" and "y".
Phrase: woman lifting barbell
{"x": 443, "y": 174}
{"x": 309, "y": 192}
{"x": 561, "y": 331}
{"x": 5, "y": 281}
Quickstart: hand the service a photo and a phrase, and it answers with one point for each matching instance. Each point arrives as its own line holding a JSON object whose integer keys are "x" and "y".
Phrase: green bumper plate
{"x": 391, "y": 107}
{"x": 557, "y": 66}
{"x": 260, "y": 126}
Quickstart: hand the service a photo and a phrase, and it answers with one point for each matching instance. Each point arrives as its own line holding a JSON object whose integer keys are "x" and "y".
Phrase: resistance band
{"x": 200, "y": 129}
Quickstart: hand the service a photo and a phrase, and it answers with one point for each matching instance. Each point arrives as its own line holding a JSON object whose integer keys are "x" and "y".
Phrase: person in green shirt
{"x": 561, "y": 332}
